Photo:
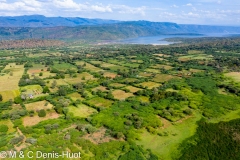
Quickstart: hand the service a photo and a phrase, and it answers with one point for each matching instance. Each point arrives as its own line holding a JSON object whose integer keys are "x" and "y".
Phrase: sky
{"x": 210, "y": 12}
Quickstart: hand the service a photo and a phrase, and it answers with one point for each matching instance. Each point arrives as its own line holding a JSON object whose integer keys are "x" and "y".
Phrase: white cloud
{"x": 123, "y": 9}
{"x": 175, "y": 6}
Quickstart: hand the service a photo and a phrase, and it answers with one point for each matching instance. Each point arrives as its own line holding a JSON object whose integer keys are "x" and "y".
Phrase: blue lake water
{"x": 159, "y": 40}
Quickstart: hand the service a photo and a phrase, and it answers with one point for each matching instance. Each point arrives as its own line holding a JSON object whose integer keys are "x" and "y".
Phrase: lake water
{"x": 159, "y": 40}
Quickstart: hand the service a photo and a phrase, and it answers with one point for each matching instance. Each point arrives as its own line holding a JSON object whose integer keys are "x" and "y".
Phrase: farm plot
{"x": 234, "y": 75}
{"x": 82, "y": 77}
{"x": 89, "y": 67}
{"x": 133, "y": 89}
{"x": 32, "y": 89}
{"x": 100, "y": 88}
{"x": 9, "y": 124}
{"x": 39, "y": 105}
{"x": 9, "y": 81}
{"x": 81, "y": 111}
{"x": 149, "y": 85}
{"x": 99, "y": 102}
{"x": 114, "y": 67}
{"x": 39, "y": 68}
{"x": 152, "y": 70}
{"x": 161, "y": 66}
{"x": 162, "y": 77}
{"x": 117, "y": 85}
{"x": 109, "y": 74}
{"x": 75, "y": 96}
{"x": 121, "y": 95}
{"x": 195, "y": 57}
{"x": 31, "y": 121}
{"x": 64, "y": 66}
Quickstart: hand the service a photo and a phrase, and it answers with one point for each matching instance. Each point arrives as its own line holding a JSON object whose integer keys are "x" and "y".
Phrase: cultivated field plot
{"x": 149, "y": 85}
{"x": 9, "y": 124}
{"x": 81, "y": 111}
{"x": 36, "y": 55}
{"x": 7, "y": 95}
{"x": 36, "y": 69}
{"x": 195, "y": 52}
{"x": 39, "y": 105}
{"x": 133, "y": 89}
{"x": 89, "y": 67}
{"x": 162, "y": 66}
{"x": 32, "y": 89}
{"x": 99, "y": 137}
{"x": 152, "y": 70}
{"x": 64, "y": 66}
{"x": 31, "y": 121}
{"x": 75, "y": 96}
{"x": 99, "y": 88}
{"x": 136, "y": 61}
{"x": 162, "y": 55}
{"x": 145, "y": 74}
{"x": 234, "y": 75}
{"x": 100, "y": 102}
{"x": 114, "y": 67}
{"x": 117, "y": 85}
{"x": 121, "y": 95}
{"x": 109, "y": 74}
{"x": 82, "y": 77}
{"x": 143, "y": 99}
{"x": 12, "y": 75}
{"x": 162, "y": 77}
{"x": 124, "y": 63}
{"x": 129, "y": 80}
{"x": 195, "y": 57}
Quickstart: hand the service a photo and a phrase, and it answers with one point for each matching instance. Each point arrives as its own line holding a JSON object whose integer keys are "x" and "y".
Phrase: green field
{"x": 81, "y": 111}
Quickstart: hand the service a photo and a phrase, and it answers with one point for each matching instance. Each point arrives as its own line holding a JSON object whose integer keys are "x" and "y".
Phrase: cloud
{"x": 189, "y": 4}
{"x": 175, "y": 6}
{"x": 123, "y": 9}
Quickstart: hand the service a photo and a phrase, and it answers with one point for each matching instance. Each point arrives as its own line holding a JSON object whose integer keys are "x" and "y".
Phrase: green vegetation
{"x": 123, "y": 101}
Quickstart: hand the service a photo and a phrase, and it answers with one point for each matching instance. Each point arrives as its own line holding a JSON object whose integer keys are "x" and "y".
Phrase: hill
{"x": 40, "y": 27}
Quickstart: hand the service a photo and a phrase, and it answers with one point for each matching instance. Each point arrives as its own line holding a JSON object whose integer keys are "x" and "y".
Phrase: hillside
{"x": 40, "y": 27}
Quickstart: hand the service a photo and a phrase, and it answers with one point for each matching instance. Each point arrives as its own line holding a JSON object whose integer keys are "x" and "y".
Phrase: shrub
{"x": 42, "y": 113}
{"x": 3, "y": 128}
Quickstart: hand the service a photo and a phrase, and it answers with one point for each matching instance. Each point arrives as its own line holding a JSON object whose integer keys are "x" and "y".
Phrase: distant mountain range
{"x": 42, "y": 21}
{"x": 41, "y": 27}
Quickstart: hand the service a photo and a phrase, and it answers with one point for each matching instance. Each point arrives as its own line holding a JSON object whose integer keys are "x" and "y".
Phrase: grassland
{"x": 89, "y": 67}
{"x": 167, "y": 146}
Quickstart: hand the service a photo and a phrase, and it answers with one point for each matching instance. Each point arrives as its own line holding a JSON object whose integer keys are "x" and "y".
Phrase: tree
{"x": 1, "y": 98}
{"x": 40, "y": 74}
{"x": 3, "y": 128}
{"x": 46, "y": 89}
{"x": 42, "y": 113}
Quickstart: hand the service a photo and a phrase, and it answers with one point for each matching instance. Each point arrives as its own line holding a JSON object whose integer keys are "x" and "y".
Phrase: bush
{"x": 3, "y": 128}
{"x": 16, "y": 140}
{"x": 42, "y": 113}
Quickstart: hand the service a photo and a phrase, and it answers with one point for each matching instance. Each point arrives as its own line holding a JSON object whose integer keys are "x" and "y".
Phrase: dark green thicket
{"x": 212, "y": 141}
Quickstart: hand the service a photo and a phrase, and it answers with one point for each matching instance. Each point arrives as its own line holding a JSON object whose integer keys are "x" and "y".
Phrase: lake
{"x": 159, "y": 40}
